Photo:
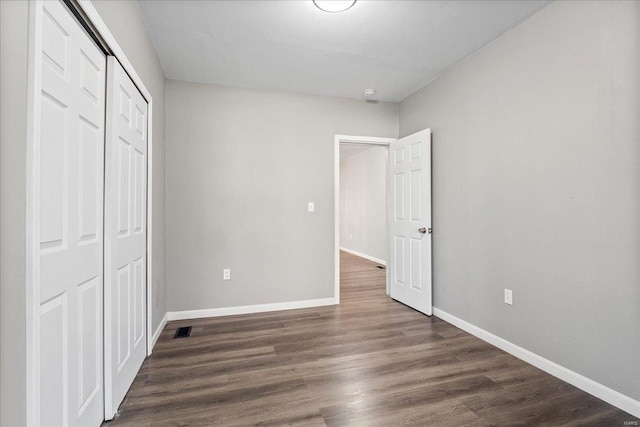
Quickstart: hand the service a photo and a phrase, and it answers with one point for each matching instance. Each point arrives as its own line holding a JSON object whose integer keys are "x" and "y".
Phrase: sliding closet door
{"x": 69, "y": 149}
{"x": 125, "y": 235}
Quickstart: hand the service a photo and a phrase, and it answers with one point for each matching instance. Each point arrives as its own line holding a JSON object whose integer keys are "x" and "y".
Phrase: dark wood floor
{"x": 368, "y": 362}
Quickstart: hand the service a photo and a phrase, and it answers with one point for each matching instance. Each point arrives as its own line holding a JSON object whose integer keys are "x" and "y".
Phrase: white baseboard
{"x": 249, "y": 309}
{"x": 158, "y": 331}
{"x": 598, "y": 390}
{"x": 361, "y": 255}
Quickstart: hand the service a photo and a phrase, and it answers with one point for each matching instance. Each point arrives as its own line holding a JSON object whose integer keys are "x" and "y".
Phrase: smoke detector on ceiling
{"x": 368, "y": 93}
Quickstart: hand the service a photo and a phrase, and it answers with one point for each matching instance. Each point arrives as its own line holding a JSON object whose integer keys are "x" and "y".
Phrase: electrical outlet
{"x": 226, "y": 274}
{"x": 508, "y": 296}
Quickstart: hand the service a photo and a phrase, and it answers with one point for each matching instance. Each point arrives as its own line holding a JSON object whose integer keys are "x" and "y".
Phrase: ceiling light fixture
{"x": 368, "y": 93}
{"x": 334, "y": 6}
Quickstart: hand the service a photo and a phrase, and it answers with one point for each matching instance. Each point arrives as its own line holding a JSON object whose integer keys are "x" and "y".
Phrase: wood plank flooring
{"x": 368, "y": 362}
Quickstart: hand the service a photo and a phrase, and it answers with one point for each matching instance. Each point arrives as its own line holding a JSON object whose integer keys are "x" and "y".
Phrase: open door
{"x": 410, "y": 221}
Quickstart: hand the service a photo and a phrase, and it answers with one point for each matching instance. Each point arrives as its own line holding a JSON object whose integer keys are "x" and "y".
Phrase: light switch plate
{"x": 508, "y": 296}
{"x": 311, "y": 206}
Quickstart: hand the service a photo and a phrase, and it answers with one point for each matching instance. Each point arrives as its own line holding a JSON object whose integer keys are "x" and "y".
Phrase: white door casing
{"x": 352, "y": 139}
{"x": 410, "y": 221}
{"x": 68, "y": 174}
{"x": 125, "y": 235}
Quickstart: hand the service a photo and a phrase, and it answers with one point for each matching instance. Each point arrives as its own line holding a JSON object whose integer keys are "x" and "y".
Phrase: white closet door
{"x": 125, "y": 235}
{"x": 70, "y": 155}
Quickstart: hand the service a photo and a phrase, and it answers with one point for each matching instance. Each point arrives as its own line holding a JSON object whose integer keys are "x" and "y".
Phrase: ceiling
{"x": 394, "y": 46}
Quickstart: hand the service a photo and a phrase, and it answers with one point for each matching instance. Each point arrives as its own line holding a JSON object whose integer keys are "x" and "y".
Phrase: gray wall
{"x": 363, "y": 203}
{"x": 13, "y": 196}
{"x": 241, "y": 167}
{"x": 536, "y": 184}
{"x": 126, "y": 23}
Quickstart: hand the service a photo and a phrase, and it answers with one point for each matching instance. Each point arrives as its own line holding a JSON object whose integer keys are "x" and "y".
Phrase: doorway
{"x": 364, "y": 233}
{"x": 408, "y": 217}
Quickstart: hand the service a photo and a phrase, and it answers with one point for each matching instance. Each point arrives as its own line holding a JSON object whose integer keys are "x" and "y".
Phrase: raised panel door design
{"x": 410, "y": 266}
{"x": 415, "y": 149}
{"x": 90, "y": 76}
{"x": 55, "y": 41}
{"x": 123, "y": 318}
{"x": 398, "y": 248}
{"x": 53, "y": 172}
{"x": 125, "y": 239}
{"x": 415, "y": 256}
{"x": 89, "y": 307}
{"x": 125, "y": 106}
{"x": 398, "y": 156}
{"x": 416, "y": 195}
{"x": 54, "y": 361}
{"x": 138, "y": 189}
{"x": 141, "y": 121}
{"x": 399, "y": 202}
{"x": 139, "y": 301}
{"x": 90, "y": 146}
{"x": 124, "y": 186}
{"x": 69, "y": 145}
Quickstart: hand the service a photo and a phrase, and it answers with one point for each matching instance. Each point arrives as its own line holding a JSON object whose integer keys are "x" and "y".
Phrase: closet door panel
{"x": 125, "y": 238}
{"x": 70, "y": 168}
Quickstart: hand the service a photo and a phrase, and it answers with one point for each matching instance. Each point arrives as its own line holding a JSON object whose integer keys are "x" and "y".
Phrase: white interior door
{"x": 410, "y": 222}
{"x": 70, "y": 154}
{"x": 125, "y": 235}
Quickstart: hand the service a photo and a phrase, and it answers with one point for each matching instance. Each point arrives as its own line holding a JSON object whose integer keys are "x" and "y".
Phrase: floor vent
{"x": 381, "y": 267}
{"x": 183, "y": 332}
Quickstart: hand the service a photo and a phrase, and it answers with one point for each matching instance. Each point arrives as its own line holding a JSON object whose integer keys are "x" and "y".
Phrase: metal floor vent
{"x": 381, "y": 267}
{"x": 183, "y": 332}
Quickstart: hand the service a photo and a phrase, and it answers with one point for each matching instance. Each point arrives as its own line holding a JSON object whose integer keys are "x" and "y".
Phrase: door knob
{"x": 424, "y": 230}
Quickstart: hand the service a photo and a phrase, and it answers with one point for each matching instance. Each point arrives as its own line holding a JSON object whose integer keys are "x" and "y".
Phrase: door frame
{"x": 32, "y": 232}
{"x": 351, "y": 139}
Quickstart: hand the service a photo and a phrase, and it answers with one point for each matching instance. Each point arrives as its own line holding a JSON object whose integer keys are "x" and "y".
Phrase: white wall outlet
{"x": 226, "y": 274}
{"x": 508, "y": 296}
{"x": 311, "y": 206}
